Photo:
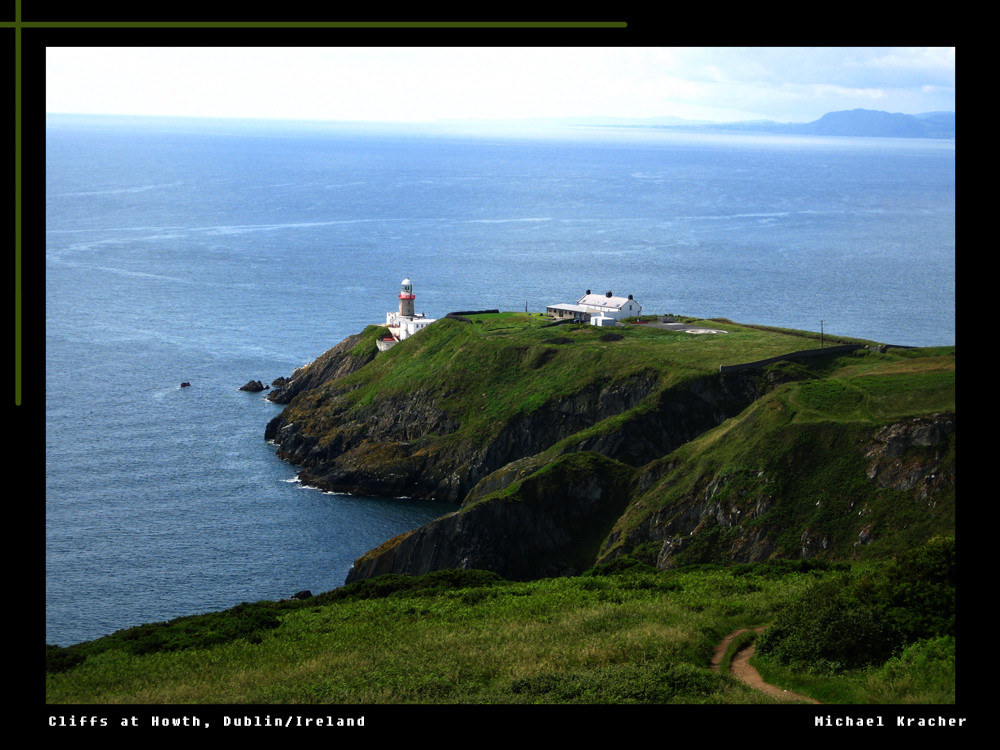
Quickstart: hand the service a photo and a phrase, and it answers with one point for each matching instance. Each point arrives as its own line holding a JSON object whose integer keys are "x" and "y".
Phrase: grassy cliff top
{"x": 488, "y": 367}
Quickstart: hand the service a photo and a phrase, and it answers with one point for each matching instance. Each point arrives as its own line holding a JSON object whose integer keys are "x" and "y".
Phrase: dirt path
{"x": 740, "y": 668}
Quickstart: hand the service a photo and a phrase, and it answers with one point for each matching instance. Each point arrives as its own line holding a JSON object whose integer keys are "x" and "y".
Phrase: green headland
{"x": 624, "y": 498}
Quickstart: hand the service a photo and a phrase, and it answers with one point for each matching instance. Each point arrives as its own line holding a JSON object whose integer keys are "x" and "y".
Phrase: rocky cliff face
{"x": 751, "y": 516}
{"x": 545, "y": 513}
{"x": 349, "y": 355}
{"x": 393, "y": 446}
{"x": 551, "y": 526}
{"x": 564, "y": 521}
{"x": 909, "y": 456}
{"x": 595, "y": 471}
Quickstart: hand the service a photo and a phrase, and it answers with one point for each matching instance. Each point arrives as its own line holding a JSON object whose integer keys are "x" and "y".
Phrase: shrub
{"x": 248, "y": 621}
{"x": 60, "y": 659}
{"x": 918, "y": 590}
{"x": 245, "y": 621}
{"x": 923, "y": 656}
{"x": 774, "y": 569}
{"x": 924, "y": 672}
{"x": 398, "y": 584}
{"x": 860, "y": 621}
{"x": 828, "y": 630}
{"x": 619, "y": 566}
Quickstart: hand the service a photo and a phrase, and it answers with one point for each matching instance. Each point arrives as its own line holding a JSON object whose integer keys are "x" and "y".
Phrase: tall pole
{"x": 821, "y": 344}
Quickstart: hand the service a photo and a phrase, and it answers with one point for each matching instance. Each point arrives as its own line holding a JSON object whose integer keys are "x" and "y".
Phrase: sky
{"x": 427, "y": 84}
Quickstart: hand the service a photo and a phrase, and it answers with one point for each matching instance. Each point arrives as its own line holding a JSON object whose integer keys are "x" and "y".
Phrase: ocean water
{"x": 216, "y": 252}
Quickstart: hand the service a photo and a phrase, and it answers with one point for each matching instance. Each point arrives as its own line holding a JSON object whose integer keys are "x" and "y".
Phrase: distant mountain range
{"x": 859, "y": 122}
{"x": 855, "y": 122}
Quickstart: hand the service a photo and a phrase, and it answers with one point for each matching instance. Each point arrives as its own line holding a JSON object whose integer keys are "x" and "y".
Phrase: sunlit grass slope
{"x": 621, "y": 634}
{"x": 451, "y": 638}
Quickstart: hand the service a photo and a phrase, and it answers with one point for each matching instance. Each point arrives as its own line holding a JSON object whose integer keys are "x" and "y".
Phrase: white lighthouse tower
{"x": 406, "y": 297}
{"x": 406, "y": 321}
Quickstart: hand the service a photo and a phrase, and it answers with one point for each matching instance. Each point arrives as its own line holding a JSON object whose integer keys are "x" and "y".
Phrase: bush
{"x": 398, "y": 584}
{"x": 856, "y": 622}
{"x": 247, "y": 621}
{"x": 621, "y": 566}
{"x": 924, "y": 672}
{"x": 827, "y": 630}
{"x": 775, "y": 569}
{"x": 923, "y": 656}
{"x": 60, "y": 659}
{"x": 918, "y": 590}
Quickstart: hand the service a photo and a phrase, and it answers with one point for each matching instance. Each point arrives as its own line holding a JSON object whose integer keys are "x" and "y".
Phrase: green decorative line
{"x": 17, "y": 204}
{"x": 322, "y": 24}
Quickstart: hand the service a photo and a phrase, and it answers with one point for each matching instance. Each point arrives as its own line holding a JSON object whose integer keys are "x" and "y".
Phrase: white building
{"x": 405, "y": 322}
{"x": 597, "y": 309}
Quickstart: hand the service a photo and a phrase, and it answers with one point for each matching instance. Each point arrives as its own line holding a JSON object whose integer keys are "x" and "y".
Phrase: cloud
{"x": 421, "y": 84}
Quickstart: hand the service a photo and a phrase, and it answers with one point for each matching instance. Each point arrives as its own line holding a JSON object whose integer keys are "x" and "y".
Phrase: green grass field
{"x": 637, "y": 636}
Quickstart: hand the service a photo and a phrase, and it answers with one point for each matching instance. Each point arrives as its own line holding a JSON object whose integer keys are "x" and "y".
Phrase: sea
{"x": 216, "y": 252}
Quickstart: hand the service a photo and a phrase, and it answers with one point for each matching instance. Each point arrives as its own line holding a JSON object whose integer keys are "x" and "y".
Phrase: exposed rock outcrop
{"x": 907, "y": 455}
{"x": 551, "y": 526}
{"x": 384, "y": 449}
{"x": 565, "y": 450}
{"x": 726, "y": 514}
{"x": 349, "y": 355}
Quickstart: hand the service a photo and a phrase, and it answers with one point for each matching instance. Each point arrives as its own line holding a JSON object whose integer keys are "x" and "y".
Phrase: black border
{"x": 61, "y": 23}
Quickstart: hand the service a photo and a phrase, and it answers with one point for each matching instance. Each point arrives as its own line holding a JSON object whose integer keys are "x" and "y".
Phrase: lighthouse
{"x": 406, "y": 297}
{"x": 406, "y": 322}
